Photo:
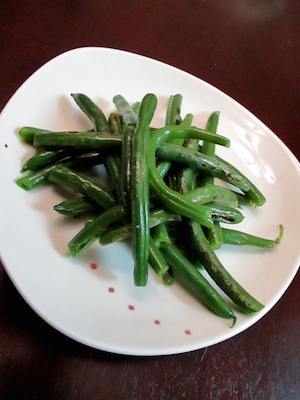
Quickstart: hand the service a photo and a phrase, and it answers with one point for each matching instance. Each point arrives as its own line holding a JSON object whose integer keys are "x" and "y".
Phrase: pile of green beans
{"x": 162, "y": 194}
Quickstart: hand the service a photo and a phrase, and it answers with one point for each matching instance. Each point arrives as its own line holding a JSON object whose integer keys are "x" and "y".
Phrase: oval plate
{"x": 93, "y": 299}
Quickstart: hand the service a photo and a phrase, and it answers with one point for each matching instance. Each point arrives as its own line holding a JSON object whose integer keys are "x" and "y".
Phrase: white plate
{"x": 78, "y": 300}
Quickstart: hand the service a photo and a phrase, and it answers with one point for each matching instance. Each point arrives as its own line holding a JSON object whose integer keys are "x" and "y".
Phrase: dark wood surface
{"x": 251, "y": 51}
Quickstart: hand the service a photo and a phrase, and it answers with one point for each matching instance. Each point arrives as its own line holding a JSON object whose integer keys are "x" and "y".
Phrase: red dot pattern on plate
{"x": 130, "y": 306}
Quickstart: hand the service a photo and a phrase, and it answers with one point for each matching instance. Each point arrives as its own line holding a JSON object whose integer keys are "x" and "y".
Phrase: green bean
{"x": 176, "y": 231}
{"x": 113, "y": 162}
{"x": 243, "y": 200}
{"x": 173, "y": 114}
{"x": 187, "y": 120}
{"x": 92, "y": 111}
{"x": 83, "y": 184}
{"x": 207, "y": 147}
{"x": 253, "y": 194}
{"x": 123, "y": 232}
{"x": 125, "y": 174}
{"x": 140, "y": 198}
{"x": 171, "y": 178}
{"x": 84, "y": 160}
{"x": 160, "y": 235}
{"x": 225, "y": 214}
{"x": 93, "y": 230}
{"x": 213, "y": 234}
{"x": 239, "y": 238}
{"x": 124, "y": 108}
{"x": 187, "y": 179}
{"x": 76, "y": 206}
{"x": 80, "y": 140}
{"x": 169, "y": 133}
{"x": 136, "y": 106}
{"x": 28, "y": 132}
{"x": 184, "y": 175}
{"x": 173, "y": 117}
{"x": 163, "y": 168}
{"x": 113, "y": 168}
{"x": 196, "y": 282}
{"x": 34, "y": 179}
{"x": 156, "y": 259}
{"x": 114, "y": 123}
{"x": 217, "y": 271}
{"x": 168, "y": 278}
{"x": 215, "y": 193}
{"x": 44, "y": 158}
{"x": 129, "y": 119}
{"x": 203, "y": 163}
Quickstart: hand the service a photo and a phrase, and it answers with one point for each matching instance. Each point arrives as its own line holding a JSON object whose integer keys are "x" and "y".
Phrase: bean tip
{"x": 278, "y": 239}
{"x": 233, "y": 321}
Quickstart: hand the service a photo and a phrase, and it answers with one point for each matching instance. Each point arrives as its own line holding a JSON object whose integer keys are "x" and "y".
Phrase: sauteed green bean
{"x": 161, "y": 193}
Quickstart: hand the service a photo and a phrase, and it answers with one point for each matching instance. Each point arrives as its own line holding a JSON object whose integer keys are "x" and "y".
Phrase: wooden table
{"x": 249, "y": 50}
